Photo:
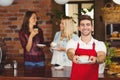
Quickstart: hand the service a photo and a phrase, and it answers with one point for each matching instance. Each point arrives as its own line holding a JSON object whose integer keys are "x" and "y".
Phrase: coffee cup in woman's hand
{"x": 53, "y": 44}
{"x": 36, "y": 30}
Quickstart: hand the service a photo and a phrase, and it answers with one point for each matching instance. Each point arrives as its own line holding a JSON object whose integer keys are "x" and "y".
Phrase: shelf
{"x": 109, "y": 37}
{"x": 117, "y": 49}
{"x": 112, "y": 23}
{"x": 115, "y": 38}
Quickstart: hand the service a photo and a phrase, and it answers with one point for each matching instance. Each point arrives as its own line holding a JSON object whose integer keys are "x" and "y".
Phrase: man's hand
{"x": 93, "y": 59}
{"x": 75, "y": 59}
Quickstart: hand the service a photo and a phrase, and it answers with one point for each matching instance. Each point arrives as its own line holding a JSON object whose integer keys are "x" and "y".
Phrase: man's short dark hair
{"x": 85, "y": 17}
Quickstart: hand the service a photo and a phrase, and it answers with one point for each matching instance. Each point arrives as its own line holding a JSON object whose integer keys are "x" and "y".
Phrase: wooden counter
{"x": 42, "y": 73}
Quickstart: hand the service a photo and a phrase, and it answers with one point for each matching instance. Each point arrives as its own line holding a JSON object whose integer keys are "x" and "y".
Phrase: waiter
{"x": 86, "y": 46}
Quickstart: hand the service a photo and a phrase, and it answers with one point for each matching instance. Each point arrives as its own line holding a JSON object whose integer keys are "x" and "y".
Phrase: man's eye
{"x": 88, "y": 24}
{"x": 82, "y": 24}
{"x": 85, "y": 24}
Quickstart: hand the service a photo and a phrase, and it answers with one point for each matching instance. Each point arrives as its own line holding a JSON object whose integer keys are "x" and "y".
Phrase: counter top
{"x": 43, "y": 73}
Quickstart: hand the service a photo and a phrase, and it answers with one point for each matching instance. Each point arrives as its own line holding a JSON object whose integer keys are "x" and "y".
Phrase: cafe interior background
{"x": 49, "y": 13}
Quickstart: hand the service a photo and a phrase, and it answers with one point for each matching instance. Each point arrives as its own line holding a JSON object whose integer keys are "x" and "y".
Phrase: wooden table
{"x": 34, "y": 73}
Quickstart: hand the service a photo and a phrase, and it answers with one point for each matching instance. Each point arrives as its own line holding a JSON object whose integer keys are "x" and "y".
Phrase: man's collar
{"x": 90, "y": 42}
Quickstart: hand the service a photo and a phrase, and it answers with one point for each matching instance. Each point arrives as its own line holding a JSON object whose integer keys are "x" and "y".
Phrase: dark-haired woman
{"x": 30, "y": 35}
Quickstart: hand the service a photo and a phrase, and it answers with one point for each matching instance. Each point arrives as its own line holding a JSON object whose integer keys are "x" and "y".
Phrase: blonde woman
{"x": 61, "y": 38}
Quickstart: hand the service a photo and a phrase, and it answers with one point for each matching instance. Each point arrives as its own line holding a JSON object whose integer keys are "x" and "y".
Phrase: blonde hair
{"x": 68, "y": 27}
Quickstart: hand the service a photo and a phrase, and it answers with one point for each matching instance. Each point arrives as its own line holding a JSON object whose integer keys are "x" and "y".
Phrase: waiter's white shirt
{"x": 99, "y": 46}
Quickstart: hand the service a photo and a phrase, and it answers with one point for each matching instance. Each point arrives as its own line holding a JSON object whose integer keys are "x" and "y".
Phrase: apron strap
{"x": 93, "y": 45}
{"x": 78, "y": 45}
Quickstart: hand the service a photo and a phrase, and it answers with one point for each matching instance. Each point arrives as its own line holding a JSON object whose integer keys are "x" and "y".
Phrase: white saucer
{"x": 59, "y": 67}
{"x": 55, "y": 48}
{"x": 41, "y": 45}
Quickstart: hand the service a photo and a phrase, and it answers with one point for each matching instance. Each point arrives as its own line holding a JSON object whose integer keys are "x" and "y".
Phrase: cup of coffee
{"x": 53, "y": 44}
{"x": 35, "y": 29}
{"x": 83, "y": 59}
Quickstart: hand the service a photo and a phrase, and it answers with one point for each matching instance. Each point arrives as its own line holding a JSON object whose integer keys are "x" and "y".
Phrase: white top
{"x": 60, "y": 57}
{"x": 99, "y": 45}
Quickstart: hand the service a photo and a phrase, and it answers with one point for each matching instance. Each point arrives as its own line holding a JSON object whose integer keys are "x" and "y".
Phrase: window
{"x": 76, "y": 8}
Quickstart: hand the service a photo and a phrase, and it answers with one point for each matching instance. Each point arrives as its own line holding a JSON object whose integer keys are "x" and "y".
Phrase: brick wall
{"x": 11, "y": 18}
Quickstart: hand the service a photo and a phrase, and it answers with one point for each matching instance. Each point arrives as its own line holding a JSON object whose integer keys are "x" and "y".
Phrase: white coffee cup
{"x": 83, "y": 59}
{"x": 53, "y": 44}
{"x": 36, "y": 29}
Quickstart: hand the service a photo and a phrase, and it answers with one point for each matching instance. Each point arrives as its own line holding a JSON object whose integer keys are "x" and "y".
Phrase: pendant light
{"x": 116, "y": 1}
{"x": 6, "y": 2}
{"x": 61, "y": 1}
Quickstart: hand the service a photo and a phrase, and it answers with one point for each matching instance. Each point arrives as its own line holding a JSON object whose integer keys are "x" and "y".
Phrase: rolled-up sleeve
{"x": 71, "y": 44}
{"x": 101, "y": 47}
